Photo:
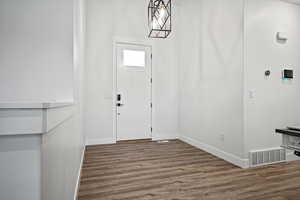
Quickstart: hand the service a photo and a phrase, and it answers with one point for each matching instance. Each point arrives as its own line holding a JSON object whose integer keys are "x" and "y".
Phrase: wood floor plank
{"x": 146, "y": 170}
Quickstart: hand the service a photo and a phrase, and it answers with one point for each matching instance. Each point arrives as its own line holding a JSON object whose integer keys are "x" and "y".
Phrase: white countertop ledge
{"x": 34, "y": 105}
{"x": 23, "y": 118}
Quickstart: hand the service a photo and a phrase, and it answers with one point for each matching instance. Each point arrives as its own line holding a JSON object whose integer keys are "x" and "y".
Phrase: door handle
{"x": 119, "y": 104}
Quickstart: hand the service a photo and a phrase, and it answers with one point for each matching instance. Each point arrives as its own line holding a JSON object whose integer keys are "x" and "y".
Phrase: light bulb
{"x": 162, "y": 13}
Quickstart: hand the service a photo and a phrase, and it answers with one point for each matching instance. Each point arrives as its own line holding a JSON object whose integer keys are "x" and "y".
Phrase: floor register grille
{"x": 266, "y": 157}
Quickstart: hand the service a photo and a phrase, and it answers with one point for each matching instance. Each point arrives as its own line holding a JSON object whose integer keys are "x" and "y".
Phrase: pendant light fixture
{"x": 159, "y": 18}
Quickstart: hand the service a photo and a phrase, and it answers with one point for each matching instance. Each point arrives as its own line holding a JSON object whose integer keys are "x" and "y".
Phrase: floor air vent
{"x": 266, "y": 157}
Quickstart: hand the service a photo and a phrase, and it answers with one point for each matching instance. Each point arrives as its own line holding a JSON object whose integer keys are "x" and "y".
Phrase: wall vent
{"x": 266, "y": 157}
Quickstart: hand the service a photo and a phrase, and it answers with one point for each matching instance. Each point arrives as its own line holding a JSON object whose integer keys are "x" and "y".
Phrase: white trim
{"x": 290, "y": 156}
{"x": 157, "y": 137}
{"x": 90, "y": 142}
{"x": 114, "y": 89}
{"x": 26, "y": 121}
{"x": 243, "y": 163}
{"x": 54, "y": 117}
{"x": 35, "y": 105}
{"x": 130, "y": 41}
{"x": 79, "y": 175}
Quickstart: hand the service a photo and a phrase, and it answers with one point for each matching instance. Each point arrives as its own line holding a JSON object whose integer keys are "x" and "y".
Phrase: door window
{"x": 133, "y": 58}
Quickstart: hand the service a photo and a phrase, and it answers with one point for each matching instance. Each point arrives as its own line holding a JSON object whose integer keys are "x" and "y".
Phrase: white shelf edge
{"x": 31, "y": 119}
{"x": 33, "y": 105}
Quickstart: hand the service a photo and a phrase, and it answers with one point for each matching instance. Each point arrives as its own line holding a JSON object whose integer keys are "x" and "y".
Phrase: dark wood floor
{"x": 145, "y": 170}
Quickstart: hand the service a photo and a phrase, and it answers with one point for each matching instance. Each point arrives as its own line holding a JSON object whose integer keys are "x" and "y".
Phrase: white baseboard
{"x": 157, "y": 137}
{"x": 290, "y": 156}
{"x": 243, "y": 163}
{"x": 90, "y": 142}
{"x": 79, "y": 175}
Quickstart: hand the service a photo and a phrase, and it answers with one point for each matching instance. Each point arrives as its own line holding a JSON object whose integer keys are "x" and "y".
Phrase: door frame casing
{"x": 128, "y": 41}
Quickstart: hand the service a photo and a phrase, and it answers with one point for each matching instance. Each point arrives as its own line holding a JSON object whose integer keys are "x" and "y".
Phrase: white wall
{"x": 63, "y": 147}
{"x": 107, "y": 19}
{"x": 41, "y": 61}
{"x": 275, "y": 103}
{"x": 211, "y": 75}
{"x": 20, "y": 168}
{"x": 36, "y": 50}
{"x": 62, "y": 153}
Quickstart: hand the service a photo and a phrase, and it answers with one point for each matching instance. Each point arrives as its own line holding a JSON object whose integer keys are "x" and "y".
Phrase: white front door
{"x": 133, "y": 92}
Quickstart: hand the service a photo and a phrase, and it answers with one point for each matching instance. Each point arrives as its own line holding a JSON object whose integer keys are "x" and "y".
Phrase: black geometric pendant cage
{"x": 159, "y": 18}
